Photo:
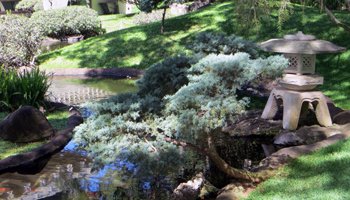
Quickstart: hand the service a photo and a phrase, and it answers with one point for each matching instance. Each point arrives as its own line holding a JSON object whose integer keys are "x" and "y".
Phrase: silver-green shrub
{"x": 206, "y": 43}
{"x": 209, "y": 100}
{"x": 125, "y": 126}
{"x": 20, "y": 41}
{"x": 72, "y": 20}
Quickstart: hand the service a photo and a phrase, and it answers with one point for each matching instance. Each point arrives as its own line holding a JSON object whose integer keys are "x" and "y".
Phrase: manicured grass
{"x": 9, "y": 148}
{"x": 116, "y": 22}
{"x": 141, "y": 46}
{"x": 57, "y": 119}
{"x": 322, "y": 175}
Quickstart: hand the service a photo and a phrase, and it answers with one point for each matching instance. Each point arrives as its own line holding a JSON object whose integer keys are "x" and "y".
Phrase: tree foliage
{"x": 191, "y": 103}
{"x": 20, "y": 40}
{"x": 253, "y": 12}
{"x": 30, "y": 5}
{"x": 64, "y": 22}
{"x": 150, "y": 5}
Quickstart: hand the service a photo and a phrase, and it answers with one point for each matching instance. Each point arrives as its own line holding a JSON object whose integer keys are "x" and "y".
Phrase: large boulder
{"x": 27, "y": 124}
{"x": 251, "y": 124}
{"x": 305, "y": 135}
{"x": 342, "y": 117}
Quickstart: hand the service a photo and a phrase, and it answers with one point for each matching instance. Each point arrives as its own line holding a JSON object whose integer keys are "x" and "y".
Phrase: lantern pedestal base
{"x": 292, "y": 103}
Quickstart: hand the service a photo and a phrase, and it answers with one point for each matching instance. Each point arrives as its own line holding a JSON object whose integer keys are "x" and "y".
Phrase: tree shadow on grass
{"x": 325, "y": 175}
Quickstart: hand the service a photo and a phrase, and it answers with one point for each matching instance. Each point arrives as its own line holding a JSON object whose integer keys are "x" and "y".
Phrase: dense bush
{"x": 20, "y": 41}
{"x": 121, "y": 127}
{"x": 191, "y": 103}
{"x": 30, "y": 5}
{"x": 219, "y": 43}
{"x": 72, "y": 20}
{"x": 26, "y": 88}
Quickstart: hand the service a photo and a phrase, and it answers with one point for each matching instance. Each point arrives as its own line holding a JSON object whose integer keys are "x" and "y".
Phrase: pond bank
{"x": 98, "y": 72}
{"x": 37, "y": 158}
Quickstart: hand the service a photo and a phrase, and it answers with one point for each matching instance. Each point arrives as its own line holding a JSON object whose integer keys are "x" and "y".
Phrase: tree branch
{"x": 221, "y": 163}
{"x": 334, "y": 19}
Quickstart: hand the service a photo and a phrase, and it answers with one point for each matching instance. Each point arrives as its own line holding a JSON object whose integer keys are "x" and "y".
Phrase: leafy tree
{"x": 149, "y": 5}
{"x": 252, "y": 12}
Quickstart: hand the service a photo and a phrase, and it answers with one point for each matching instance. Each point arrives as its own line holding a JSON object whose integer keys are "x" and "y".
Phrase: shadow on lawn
{"x": 324, "y": 175}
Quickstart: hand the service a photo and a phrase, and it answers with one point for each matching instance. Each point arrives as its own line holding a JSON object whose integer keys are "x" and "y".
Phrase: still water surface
{"x": 74, "y": 90}
{"x": 70, "y": 173}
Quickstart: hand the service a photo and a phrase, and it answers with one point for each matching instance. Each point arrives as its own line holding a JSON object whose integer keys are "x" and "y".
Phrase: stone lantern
{"x": 299, "y": 79}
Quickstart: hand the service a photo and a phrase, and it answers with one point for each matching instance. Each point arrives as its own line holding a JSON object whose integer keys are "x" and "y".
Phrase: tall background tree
{"x": 150, "y": 5}
{"x": 253, "y": 12}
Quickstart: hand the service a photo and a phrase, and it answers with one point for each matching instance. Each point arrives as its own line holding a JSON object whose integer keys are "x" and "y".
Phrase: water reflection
{"x": 71, "y": 175}
{"x": 74, "y": 90}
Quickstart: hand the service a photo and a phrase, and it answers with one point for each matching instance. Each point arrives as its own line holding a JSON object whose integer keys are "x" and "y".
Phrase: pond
{"x": 74, "y": 90}
{"x": 69, "y": 174}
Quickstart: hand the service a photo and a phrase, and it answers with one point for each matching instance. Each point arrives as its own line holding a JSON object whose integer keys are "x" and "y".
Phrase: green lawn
{"x": 323, "y": 175}
{"x": 140, "y": 46}
{"x": 115, "y": 22}
{"x": 57, "y": 119}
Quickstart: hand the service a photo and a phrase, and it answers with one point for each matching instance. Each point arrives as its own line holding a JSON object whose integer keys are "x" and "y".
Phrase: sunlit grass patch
{"x": 321, "y": 175}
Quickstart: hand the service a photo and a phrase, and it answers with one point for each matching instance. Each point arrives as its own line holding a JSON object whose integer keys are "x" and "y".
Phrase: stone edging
{"x": 284, "y": 155}
{"x": 99, "y": 72}
{"x": 32, "y": 162}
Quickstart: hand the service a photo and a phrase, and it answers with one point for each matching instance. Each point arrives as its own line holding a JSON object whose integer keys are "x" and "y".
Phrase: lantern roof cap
{"x": 300, "y": 43}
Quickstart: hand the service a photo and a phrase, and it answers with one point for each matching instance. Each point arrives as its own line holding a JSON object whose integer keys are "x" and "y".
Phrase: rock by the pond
{"x": 305, "y": 135}
{"x": 26, "y": 124}
{"x": 189, "y": 190}
{"x": 342, "y": 117}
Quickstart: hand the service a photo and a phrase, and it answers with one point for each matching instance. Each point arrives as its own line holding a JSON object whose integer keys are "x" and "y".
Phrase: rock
{"x": 235, "y": 191}
{"x": 268, "y": 149}
{"x": 250, "y": 123}
{"x": 288, "y": 139}
{"x": 178, "y": 9}
{"x": 333, "y": 110}
{"x": 305, "y": 135}
{"x": 208, "y": 191}
{"x": 26, "y": 124}
{"x": 189, "y": 190}
{"x": 342, "y": 117}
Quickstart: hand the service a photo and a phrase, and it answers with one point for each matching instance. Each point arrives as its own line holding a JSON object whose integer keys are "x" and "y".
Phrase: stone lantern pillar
{"x": 299, "y": 79}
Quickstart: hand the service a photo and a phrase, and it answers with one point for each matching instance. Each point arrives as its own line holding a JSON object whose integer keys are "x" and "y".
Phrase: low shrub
{"x": 20, "y": 41}
{"x": 72, "y": 20}
{"x": 26, "y": 88}
{"x": 30, "y": 5}
{"x": 219, "y": 43}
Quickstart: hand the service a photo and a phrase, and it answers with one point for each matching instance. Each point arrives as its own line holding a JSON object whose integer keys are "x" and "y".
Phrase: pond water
{"x": 52, "y": 44}
{"x": 74, "y": 90}
{"x": 70, "y": 175}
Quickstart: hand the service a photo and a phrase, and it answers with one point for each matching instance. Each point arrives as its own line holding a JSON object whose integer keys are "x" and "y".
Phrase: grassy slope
{"x": 140, "y": 46}
{"x": 322, "y": 175}
{"x": 116, "y": 22}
